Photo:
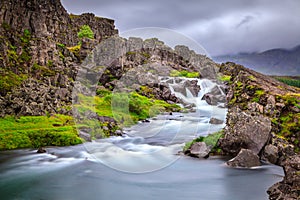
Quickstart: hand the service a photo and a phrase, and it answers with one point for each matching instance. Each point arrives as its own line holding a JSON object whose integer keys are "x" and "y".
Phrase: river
{"x": 142, "y": 165}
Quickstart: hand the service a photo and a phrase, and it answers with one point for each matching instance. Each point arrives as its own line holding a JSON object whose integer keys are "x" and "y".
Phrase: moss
{"x": 26, "y": 37}
{"x": 61, "y": 45}
{"x": 39, "y": 70}
{"x": 75, "y": 50}
{"x": 289, "y": 120}
{"x": 129, "y": 53}
{"x": 50, "y": 63}
{"x": 225, "y": 78}
{"x": 85, "y": 32}
{"x": 37, "y": 131}
{"x": 251, "y": 77}
{"x": 184, "y": 73}
{"x": 9, "y": 80}
{"x": 210, "y": 140}
{"x": 125, "y": 108}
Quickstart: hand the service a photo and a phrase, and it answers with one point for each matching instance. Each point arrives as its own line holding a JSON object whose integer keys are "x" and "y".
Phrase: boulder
{"x": 246, "y": 158}
{"x": 245, "y": 130}
{"x": 215, "y": 121}
{"x": 270, "y": 154}
{"x": 199, "y": 150}
{"x": 87, "y": 137}
{"x": 41, "y": 150}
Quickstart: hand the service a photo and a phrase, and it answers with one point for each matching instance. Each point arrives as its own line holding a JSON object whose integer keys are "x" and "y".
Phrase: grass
{"x": 292, "y": 81}
{"x": 225, "y": 78}
{"x": 209, "y": 140}
{"x": 37, "y": 131}
{"x": 125, "y": 108}
{"x": 184, "y": 73}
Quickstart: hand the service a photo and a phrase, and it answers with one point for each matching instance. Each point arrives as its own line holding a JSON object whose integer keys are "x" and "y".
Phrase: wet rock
{"x": 289, "y": 188}
{"x": 270, "y": 154}
{"x": 84, "y": 135}
{"x": 215, "y": 121}
{"x": 199, "y": 150}
{"x": 245, "y": 158}
{"x": 41, "y": 150}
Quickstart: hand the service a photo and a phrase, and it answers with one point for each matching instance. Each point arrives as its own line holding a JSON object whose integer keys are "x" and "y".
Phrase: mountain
{"x": 270, "y": 62}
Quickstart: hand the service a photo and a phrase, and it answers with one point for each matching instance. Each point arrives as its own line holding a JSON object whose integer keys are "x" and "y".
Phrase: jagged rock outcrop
{"x": 289, "y": 188}
{"x": 263, "y": 116}
{"x": 37, "y": 43}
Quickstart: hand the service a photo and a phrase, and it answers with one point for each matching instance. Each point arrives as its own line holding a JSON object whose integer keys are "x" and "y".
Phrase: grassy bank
{"x": 37, "y": 131}
{"x": 61, "y": 130}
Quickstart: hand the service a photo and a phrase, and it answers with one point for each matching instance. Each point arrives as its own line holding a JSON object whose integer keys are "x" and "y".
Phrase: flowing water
{"x": 144, "y": 164}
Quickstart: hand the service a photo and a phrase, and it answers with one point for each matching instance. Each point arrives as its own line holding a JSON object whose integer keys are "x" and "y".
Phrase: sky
{"x": 220, "y": 27}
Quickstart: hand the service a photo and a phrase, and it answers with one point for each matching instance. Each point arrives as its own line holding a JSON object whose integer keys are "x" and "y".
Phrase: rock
{"x": 87, "y": 137}
{"x": 246, "y": 158}
{"x": 199, "y": 150}
{"x": 245, "y": 131}
{"x": 41, "y": 150}
{"x": 118, "y": 133}
{"x": 215, "y": 121}
{"x": 289, "y": 188}
{"x": 270, "y": 154}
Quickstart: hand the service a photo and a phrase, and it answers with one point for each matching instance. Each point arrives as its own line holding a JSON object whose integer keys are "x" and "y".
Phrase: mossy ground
{"x": 184, "y": 73}
{"x": 125, "y": 108}
{"x": 37, "y": 131}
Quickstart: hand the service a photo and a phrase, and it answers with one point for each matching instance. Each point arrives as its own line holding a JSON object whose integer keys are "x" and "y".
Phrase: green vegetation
{"x": 37, "y": 131}
{"x": 125, "y": 108}
{"x": 292, "y": 81}
{"x": 75, "y": 50}
{"x": 289, "y": 122}
{"x": 61, "y": 45}
{"x": 85, "y": 32}
{"x": 225, "y": 78}
{"x": 9, "y": 80}
{"x": 209, "y": 140}
{"x": 184, "y": 73}
{"x": 257, "y": 95}
{"x": 39, "y": 70}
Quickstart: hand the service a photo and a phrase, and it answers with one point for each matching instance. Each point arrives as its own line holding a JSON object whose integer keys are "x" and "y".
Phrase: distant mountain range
{"x": 271, "y": 62}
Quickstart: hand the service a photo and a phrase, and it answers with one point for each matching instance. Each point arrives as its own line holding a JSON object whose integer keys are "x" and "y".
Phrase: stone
{"x": 41, "y": 150}
{"x": 84, "y": 135}
{"x": 245, "y": 158}
{"x": 289, "y": 188}
{"x": 199, "y": 150}
{"x": 245, "y": 131}
{"x": 215, "y": 121}
{"x": 270, "y": 154}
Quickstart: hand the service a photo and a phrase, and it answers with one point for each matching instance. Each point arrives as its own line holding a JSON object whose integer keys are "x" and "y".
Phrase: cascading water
{"x": 76, "y": 174}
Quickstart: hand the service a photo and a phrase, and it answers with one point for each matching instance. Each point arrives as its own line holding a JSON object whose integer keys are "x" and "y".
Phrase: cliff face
{"x": 39, "y": 54}
{"x": 263, "y": 117}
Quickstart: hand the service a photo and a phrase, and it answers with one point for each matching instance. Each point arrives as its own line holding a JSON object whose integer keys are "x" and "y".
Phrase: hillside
{"x": 272, "y": 62}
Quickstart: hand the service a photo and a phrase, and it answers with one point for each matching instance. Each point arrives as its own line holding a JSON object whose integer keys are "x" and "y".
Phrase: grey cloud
{"x": 244, "y": 21}
{"x": 222, "y": 27}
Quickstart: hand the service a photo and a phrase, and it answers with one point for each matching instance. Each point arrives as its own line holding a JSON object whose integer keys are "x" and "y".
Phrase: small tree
{"x": 86, "y": 32}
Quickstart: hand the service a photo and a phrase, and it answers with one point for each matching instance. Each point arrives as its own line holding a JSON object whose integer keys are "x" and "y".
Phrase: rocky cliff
{"x": 40, "y": 53}
{"x": 263, "y": 117}
{"x": 43, "y": 47}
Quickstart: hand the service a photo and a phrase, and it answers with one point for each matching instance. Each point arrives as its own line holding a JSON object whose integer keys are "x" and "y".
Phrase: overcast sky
{"x": 221, "y": 27}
